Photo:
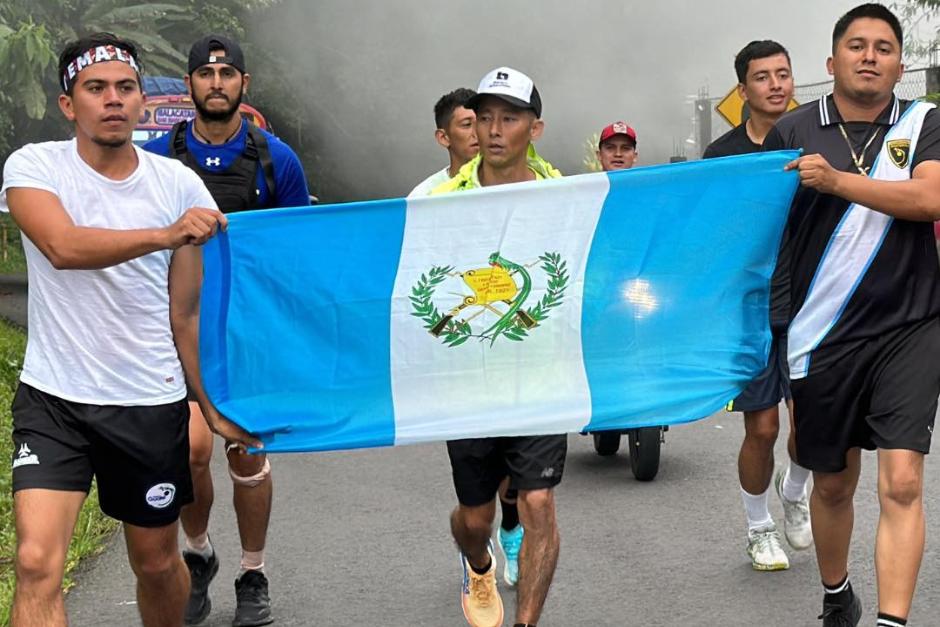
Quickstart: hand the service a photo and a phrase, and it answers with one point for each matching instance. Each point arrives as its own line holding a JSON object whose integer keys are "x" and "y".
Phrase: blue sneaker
{"x": 509, "y": 543}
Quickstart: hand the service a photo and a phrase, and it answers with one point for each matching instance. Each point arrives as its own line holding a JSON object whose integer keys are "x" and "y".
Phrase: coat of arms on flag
{"x": 496, "y": 304}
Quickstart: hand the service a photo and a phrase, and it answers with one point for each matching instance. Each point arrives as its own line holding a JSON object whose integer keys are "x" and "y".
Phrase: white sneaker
{"x": 796, "y": 521}
{"x": 763, "y": 546}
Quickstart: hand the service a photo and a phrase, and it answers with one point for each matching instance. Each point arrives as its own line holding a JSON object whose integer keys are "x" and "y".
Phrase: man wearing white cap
{"x": 508, "y": 110}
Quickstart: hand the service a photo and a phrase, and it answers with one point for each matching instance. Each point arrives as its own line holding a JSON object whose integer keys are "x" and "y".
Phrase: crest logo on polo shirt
{"x": 900, "y": 152}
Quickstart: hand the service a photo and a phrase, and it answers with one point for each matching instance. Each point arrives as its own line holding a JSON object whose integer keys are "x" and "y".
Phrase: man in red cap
{"x": 617, "y": 147}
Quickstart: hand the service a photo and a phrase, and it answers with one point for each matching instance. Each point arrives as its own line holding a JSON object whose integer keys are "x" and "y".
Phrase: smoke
{"x": 368, "y": 73}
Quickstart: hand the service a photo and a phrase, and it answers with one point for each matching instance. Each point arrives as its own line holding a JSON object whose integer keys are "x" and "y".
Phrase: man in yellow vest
{"x": 508, "y": 111}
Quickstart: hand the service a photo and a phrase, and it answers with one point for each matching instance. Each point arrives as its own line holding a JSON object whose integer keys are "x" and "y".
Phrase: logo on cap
{"x": 502, "y": 76}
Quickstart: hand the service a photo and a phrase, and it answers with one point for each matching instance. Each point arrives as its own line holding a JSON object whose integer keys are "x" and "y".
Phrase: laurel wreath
{"x": 456, "y": 332}
{"x": 557, "y": 272}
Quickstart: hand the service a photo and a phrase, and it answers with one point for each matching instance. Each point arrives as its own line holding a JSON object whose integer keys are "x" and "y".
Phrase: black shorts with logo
{"x": 480, "y": 464}
{"x": 882, "y": 395}
{"x": 139, "y": 455}
{"x": 770, "y": 386}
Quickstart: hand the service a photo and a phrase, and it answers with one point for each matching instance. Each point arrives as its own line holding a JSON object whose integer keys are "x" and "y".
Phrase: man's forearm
{"x": 914, "y": 199}
{"x": 85, "y": 248}
{"x": 186, "y": 336}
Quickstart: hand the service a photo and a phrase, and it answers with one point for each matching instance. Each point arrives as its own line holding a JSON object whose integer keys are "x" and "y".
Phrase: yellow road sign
{"x": 734, "y": 110}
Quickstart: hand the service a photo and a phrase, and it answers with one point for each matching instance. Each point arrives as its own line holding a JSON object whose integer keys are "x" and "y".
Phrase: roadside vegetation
{"x": 93, "y": 527}
{"x": 12, "y": 259}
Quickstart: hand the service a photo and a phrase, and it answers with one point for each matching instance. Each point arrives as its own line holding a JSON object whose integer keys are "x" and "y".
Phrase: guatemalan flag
{"x": 592, "y": 302}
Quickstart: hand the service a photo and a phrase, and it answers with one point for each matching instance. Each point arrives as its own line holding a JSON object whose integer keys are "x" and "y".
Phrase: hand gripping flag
{"x": 601, "y": 301}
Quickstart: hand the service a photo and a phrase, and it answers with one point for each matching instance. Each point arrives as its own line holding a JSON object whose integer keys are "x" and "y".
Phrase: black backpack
{"x": 234, "y": 189}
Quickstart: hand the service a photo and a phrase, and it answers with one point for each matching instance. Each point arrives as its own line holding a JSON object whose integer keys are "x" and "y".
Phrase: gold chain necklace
{"x": 859, "y": 160}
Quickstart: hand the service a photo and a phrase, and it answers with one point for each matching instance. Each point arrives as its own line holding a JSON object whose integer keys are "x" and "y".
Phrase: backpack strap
{"x": 178, "y": 140}
{"x": 260, "y": 145}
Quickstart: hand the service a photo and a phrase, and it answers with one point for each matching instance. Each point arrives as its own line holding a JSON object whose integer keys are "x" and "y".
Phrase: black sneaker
{"x": 842, "y": 615}
{"x": 253, "y": 604}
{"x": 201, "y": 572}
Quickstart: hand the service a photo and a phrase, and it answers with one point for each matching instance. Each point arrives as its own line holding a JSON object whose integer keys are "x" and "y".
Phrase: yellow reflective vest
{"x": 468, "y": 175}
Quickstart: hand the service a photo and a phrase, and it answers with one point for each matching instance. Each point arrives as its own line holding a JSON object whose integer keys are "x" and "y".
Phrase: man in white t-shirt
{"x": 455, "y": 132}
{"x": 110, "y": 234}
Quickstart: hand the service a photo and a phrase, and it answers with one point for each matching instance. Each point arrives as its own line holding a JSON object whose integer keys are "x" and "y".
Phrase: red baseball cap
{"x": 617, "y": 128}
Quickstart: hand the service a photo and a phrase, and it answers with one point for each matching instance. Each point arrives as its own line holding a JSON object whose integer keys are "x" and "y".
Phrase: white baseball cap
{"x": 510, "y": 85}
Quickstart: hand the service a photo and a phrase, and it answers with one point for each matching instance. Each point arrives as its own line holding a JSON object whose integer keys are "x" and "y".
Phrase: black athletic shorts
{"x": 530, "y": 462}
{"x": 139, "y": 455}
{"x": 770, "y": 386}
{"x": 883, "y": 395}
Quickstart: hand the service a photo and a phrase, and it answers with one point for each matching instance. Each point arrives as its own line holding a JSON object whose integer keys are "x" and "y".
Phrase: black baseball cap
{"x": 199, "y": 53}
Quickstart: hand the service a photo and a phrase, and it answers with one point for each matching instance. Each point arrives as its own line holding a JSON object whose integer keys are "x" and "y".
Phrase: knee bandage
{"x": 254, "y": 480}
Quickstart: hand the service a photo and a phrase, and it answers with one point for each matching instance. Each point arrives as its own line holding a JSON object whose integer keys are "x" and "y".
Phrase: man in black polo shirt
{"x": 864, "y": 293}
{"x": 765, "y": 83}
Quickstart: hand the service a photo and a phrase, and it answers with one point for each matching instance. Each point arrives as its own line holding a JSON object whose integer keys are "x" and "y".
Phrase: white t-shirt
{"x": 424, "y": 187}
{"x": 103, "y": 337}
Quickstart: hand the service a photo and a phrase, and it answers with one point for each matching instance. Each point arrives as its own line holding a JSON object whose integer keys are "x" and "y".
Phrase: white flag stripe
{"x": 520, "y": 382}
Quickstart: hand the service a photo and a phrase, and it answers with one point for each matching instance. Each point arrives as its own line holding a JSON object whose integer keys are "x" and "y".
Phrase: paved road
{"x": 361, "y": 538}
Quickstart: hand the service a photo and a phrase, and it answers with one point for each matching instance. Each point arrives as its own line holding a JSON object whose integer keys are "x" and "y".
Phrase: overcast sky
{"x": 371, "y": 71}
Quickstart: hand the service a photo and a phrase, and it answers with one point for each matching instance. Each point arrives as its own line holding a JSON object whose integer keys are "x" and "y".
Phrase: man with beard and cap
{"x": 765, "y": 83}
{"x": 112, "y": 239}
{"x": 508, "y": 111}
{"x": 616, "y": 149}
{"x": 864, "y": 306}
{"x": 244, "y": 168}
{"x": 456, "y": 133}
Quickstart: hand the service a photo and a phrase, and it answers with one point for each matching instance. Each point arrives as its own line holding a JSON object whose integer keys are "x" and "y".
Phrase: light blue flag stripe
{"x": 306, "y": 342}
{"x": 295, "y": 336}
{"x": 658, "y": 350}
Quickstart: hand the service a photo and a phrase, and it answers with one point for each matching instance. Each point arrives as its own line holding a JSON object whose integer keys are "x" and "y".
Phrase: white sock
{"x": 251, "y": 560}
{"x": 200, "y": 545}
{"x": 755, "y": 506}
{"x": 794, "y": 482}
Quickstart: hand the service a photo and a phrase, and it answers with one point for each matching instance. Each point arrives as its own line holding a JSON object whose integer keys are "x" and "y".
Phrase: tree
{"x": 916, "y": 16}
{"x": 32, "y": 31}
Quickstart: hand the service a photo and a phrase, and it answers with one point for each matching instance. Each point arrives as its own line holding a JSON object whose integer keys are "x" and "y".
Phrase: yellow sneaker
{"x": 479, "y": 597}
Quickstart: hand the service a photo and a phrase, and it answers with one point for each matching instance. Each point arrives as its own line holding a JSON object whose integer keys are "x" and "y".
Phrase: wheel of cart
{"x": 644, "y": 448}
{"x": 606, "y": 443}
{"x": 645, "y": 444}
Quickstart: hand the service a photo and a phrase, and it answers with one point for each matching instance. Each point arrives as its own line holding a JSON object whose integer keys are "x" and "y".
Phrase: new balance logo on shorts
{"x": 25, "y": 457}
{"x": 548, "y": 473}
{"x": 161, "y": 495}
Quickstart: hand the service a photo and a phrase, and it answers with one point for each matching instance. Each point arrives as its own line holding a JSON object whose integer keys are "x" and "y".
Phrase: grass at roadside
{"x": 12, "y": 258}
{"x": 92, "y": 528}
